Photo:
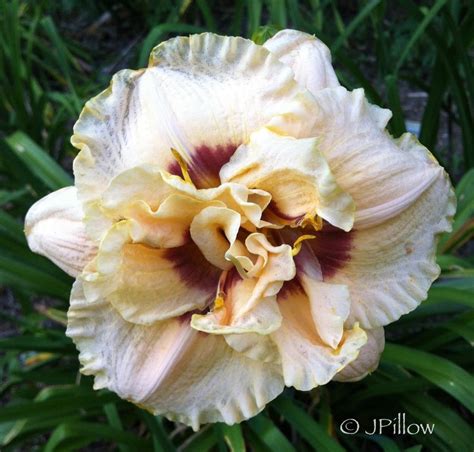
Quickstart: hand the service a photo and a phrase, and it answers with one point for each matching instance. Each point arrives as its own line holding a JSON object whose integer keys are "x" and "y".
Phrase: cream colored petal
{"x": 54, "y": 228}
{"x": 383, "y": 176}
{"x": 330, "y": 303}
{"x": 144, "y": 193}
{"x": 231, "y": 314}
{"x": 170, "y": 225}
{"x": 147, "y": 284}
{"x": 142, "y": 183}
{"x": 159, "y": 200}
{"x": 269, "y": 267}
{"x": 169, "y": 368}
{"x": 249, "y": 203}
{"x": 295, "y": 173}
{"x": 246, "y": 302}
{"x": 391, "y": 266}
{"x": 307, "y": 361}
{"x": 259, "y": 347}
{"x": 307, "y": 56}
{"x": 368, "y": 359}
{"x": 330, "y": 306}
{"x": 214, "y": 230}
{"x": 202, "y": 95}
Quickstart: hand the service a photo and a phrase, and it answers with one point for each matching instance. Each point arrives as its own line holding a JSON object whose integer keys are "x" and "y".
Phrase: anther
{"x": 311, "y": 220}
{"x": 183, "y": 165}
{"x": 219, "y": 302}
{"x": 299, "y": 243}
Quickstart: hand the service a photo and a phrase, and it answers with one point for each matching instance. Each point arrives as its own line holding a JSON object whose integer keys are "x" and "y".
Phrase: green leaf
{"x": 254, "y": 13}
{"x": 204, "y": 440}
{"x": 161, "y": 440}
{"x": 360, "y": 17}
{"x": 262, "y": 34}
{"x": 448, "y": 425}
{"x": 305, "y": 425}
{"x": 88, "y": 432}
{"x": 54, "y": 406}
{"x": 269, "y": 433}
{"x": 439, "y": 371}
{"x": 387, "y": 444}
{"x": 38, "y": 161}
{"x": 397, "y": 123}
{"x": 7, "y": 196}
{"x": 25, "y": 276}
{"x": 429, "y": 16}
{"x": 233, "y": 437}
{"x": 39, "y": 344}
{"x": 464, "y": 218}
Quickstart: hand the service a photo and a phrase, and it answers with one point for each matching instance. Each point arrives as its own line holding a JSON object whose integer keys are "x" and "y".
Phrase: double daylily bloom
{"x": 239, "y": 222}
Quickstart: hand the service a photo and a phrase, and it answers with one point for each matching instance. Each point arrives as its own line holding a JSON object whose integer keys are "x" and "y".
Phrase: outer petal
{"x": 168, "y": 367}
{"x": 295, "y": 173}
{"x": 383, "y": 177}
{"x": 368, "y": 359}
{"x": 307, "y": 56}
{"x": 392, "y": 265}
{"x": 146, "y": 284}
{"x": 307, "y": 361}
{"x": 146, "y": 113}
{"x": 54, "y": 229}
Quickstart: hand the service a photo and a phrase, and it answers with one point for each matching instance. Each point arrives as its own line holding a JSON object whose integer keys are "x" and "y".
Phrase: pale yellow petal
{"x": 54, "y": 228}
{"x": 330, "y": 306}
{"x": 248, "y": 202}
{"x": 168, "y": 367}
{"x": 165, "y": 205}
{"x": 307, "y": 56}
{"x": 297, "y": 176}
{"x": 231, "y": 314}
{"x": 368, "y": 359}
{"x": 259, "y": 347}
{"x": 147, "y": 284}
{"x": 214, "y": 230}
{"x": 330, "y": 303}
{"x": 247, "y": 301}
{"x": 307, "y": 361}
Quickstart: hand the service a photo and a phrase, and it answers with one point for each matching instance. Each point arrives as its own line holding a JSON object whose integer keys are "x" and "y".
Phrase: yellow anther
{"x": 219, "y": 302}
{"x": 299, "y": 242}
{"x": 311, "y": 220}
{"x": 183, "y": 165}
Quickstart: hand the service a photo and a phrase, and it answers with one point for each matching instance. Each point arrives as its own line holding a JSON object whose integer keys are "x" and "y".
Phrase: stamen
{"x": 311, "y": 220}
{"x": 219, "y": 302}
{"x": 183, "y": 165}
{"x": 299, "y": 242}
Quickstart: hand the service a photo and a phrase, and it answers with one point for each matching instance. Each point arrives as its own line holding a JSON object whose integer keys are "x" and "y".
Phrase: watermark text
{"x": 394, "y": 426}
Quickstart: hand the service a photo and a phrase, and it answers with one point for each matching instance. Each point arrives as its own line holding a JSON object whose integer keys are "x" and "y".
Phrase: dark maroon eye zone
{"x": 332, "y": 247}
{"x": 205, "y": 164}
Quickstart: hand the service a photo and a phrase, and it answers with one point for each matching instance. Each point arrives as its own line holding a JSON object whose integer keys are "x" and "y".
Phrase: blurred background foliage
{"x": 414, "y": 57}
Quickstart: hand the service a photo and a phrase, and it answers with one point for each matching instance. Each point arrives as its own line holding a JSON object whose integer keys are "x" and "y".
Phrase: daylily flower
{"x": 239, "y": 223}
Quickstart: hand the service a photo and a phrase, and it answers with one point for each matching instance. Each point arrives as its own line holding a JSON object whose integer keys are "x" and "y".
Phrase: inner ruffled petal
{"x": 147, "y": 284}
{"x": 297, "y": 176}
{"x": 246, "y": 299}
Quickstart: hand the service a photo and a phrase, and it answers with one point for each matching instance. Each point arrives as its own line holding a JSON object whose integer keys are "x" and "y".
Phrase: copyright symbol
{"x": 349, "y": 427}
